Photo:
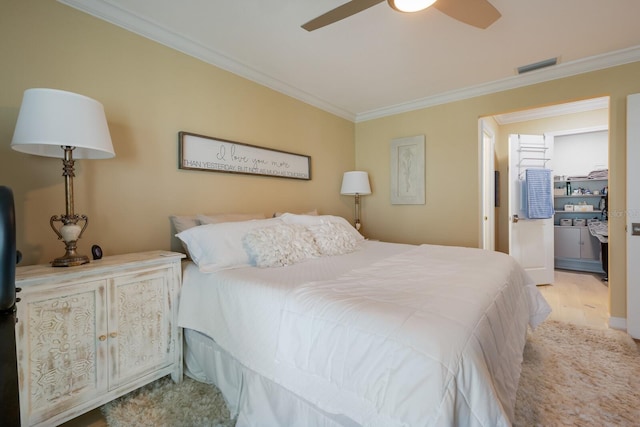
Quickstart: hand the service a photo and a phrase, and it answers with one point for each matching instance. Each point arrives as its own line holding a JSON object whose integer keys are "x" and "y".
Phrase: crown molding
{"x": 107, "y": 11}
{"x": 593, "y": 63}
{"x": 553, "y": 110}
{"x": 120, "y": 17}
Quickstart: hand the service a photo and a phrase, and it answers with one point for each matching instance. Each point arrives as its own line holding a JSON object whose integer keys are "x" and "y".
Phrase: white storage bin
{"x": 566, "y": 221}
{"x": 583, "y": 208}
{"x": 579, "y": 222}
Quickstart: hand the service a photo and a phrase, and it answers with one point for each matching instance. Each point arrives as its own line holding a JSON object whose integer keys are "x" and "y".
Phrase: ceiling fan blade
{"x": 340, "y": 12}
{"x": 478, "y": 13}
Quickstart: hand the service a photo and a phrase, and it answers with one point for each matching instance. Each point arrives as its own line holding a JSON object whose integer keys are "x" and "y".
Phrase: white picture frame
{"x": 408, "y": 170}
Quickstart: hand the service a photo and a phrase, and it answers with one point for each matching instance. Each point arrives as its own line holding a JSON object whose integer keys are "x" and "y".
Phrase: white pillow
{"x": 280, "y": 245}
{"x": 333, "y": 238}
{"x": 228, "y": 217}
{"x": 183, "y": 222}
{"x": 215, "y": 247}
{"x": 308, "y": 220}
{"x": 313, "y": 213}
{"x": 291, "y": 218}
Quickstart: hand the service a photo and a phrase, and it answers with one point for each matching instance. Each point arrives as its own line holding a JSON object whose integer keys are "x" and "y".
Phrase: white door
{"x": 633, "y": 216}
{"x": 488, "y": 188}
{"x": 530, "y": 241}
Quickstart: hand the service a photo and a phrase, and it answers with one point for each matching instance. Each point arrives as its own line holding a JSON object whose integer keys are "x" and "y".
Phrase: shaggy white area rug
{"x": 166, "y": 404}
{"x": 578, "y": 376}
{"x": 571, "y": 376}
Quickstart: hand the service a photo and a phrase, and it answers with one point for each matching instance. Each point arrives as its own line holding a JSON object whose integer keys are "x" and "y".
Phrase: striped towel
{"x": 539, "y": 196}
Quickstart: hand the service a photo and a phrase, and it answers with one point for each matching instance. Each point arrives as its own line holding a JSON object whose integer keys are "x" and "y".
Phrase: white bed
{"x": 386, "y": 335}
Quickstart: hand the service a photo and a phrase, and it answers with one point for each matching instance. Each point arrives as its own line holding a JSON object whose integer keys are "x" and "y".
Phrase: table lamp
{"x": 356, "y": 183}
{"x": 55, "y": 123}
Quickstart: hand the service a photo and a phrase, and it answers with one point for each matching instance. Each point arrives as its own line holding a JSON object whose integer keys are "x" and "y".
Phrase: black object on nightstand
{"x": 96, "y": 251}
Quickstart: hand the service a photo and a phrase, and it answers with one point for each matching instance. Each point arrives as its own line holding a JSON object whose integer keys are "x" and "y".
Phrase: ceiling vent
{"x": 537, "y": 65}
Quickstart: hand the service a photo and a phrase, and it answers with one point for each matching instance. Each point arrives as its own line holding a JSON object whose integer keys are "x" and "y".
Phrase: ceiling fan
{"x": 478, "y": 13}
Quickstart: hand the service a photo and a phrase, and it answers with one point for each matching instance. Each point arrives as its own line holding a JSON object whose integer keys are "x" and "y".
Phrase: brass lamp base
{"x": 69, "y": 233}
{"x": 71, "y": 257}
{"x": 70, "y": 260}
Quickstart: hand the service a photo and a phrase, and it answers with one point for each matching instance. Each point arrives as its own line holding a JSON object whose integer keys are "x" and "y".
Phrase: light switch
{"x": 635, "y": 228}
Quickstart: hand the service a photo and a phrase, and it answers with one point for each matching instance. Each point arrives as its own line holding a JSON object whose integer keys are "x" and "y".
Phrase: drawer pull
{"x": 102, "y": 337}
{"x": 113, "y": 334}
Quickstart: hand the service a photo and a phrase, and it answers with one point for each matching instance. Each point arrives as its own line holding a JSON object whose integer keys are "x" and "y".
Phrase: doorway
{"x": 552, "y": 120}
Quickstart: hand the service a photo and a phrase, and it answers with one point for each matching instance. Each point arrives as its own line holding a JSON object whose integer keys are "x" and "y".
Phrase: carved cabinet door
{"x": 140, "y": 325}
{"x": 61, "y": 341}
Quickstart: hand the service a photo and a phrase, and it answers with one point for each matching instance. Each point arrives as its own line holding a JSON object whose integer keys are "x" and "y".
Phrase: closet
{"x": 580, "y": 196}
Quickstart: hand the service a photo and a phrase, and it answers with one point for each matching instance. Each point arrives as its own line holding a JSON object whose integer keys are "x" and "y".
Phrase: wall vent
{"x": 537, "y": 65}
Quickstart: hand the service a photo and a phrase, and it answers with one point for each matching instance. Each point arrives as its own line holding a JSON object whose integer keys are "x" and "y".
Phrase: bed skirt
{"x": 252, "y": 398}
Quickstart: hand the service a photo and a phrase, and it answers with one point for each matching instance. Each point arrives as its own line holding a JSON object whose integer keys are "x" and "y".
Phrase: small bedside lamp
{"x": 55, "y": 123}
{"x": 356, "y": 183}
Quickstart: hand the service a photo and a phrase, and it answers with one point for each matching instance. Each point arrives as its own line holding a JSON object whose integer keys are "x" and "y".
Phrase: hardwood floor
{"x": 579, "y": 298}
{"x": 576, "y": 297}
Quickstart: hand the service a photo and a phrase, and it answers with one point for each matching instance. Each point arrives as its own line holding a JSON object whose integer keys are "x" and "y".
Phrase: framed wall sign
{"x": 199, "y": 152}
{"x": 407, "y": 171}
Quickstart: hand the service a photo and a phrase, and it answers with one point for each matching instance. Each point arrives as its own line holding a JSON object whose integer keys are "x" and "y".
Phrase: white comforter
{"x": 424, "y": 336}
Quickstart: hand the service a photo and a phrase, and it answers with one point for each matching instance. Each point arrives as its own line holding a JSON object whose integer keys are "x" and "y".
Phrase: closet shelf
{"x": 580, "y": 180}
{"x": 562, "y": 211}
{"x": 576, "y": 196}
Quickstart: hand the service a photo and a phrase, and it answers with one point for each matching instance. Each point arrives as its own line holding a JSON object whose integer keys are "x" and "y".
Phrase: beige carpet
{"x": 166, "y": 404}
{"x": 571, "y": 376}
{"x": 578, "y": 376}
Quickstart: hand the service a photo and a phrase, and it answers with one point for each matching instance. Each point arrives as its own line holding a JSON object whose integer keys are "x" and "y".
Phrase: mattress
{"x": 389, "y": 335}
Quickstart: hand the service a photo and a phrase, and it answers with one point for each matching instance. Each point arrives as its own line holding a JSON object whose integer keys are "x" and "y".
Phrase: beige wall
{"x": 450, "y": 215}
{"x": 150, "y": 93}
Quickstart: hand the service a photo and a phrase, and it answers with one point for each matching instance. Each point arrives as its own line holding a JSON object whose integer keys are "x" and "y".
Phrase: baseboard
{"x": 618, "y": 323}
{"x": 579, "y": 265}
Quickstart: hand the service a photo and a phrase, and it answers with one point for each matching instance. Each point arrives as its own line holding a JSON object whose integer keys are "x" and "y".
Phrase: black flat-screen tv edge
{"x": 8, "y": 254}
{"x": 9, "y": 395}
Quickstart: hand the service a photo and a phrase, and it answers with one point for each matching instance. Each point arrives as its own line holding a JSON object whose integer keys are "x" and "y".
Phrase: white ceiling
{"x": 381, "y": 62}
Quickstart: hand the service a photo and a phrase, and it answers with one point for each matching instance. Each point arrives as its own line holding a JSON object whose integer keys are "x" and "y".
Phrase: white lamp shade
{"x": 355, "y": 182}
{"x": 51, "y": 118}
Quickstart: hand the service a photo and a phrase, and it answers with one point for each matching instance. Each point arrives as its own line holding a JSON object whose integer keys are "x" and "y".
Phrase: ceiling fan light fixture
{"x": 410, "y": 5}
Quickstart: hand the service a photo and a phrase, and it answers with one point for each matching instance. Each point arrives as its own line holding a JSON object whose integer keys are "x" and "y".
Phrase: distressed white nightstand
{"x": 88, "y": 334}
